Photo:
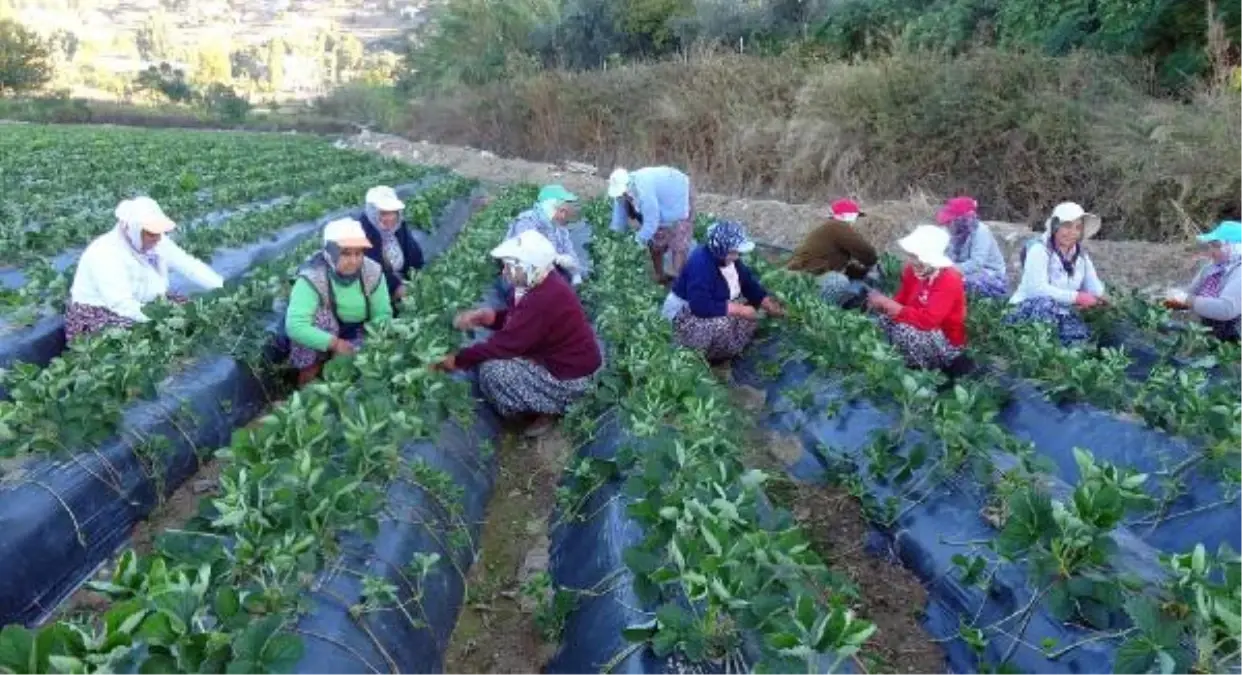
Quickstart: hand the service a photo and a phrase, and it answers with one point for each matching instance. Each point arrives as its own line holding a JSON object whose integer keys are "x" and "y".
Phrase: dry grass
{"x": 1018, "y": 131}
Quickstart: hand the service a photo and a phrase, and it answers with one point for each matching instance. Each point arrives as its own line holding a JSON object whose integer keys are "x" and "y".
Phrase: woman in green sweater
{"x": 339, "y": 292}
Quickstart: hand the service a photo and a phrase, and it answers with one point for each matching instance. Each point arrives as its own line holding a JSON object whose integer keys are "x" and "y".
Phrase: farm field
{"x": 1061, "y": 511}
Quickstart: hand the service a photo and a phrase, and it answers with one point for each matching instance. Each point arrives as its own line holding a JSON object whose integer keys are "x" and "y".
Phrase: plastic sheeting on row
{"x": 1201, "y": 514}
{"x": 934, "y": 520}
{"x": 64, "y": 531}
{"x": 62, "y": 519}
{"x": 412, "y": 634}
{"x": 45, "y": 340}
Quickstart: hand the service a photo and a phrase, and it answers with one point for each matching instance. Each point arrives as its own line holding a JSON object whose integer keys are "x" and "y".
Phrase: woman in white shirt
{"x": 126, "y": 268}
{"x": 1058, "y": 277}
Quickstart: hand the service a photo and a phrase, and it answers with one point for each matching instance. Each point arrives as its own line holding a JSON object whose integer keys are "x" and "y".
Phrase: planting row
{"x": 125, "y": 417}
{"x": 1026, "y": 547}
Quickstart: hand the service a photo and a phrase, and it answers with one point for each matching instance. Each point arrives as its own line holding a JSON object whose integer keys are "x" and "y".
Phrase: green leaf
{"x": 1145, "y": 614}
{"x": 228, "y": 604}
{"x": 1135, "y": 656}
{"x": 672, "y": 616}
{"x": 179, "y": 606}
{"x": 641, "y": 561}
{"x": 16, "y": 648}
{"x": 282, "y": 653}
{"x": 639, "y": 632}
{"x": 157, "y": 629}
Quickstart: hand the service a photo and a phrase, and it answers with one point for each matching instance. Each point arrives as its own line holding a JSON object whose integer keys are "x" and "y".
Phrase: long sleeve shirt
{"x": 935, "y": 304}
{"x": 661, "y": 196}
{"x": 531, "y": 219}
{"x": 1043, "y": 276}
{"x": 705, "y": 289}
{"x": 1227, "y": 305}
{"x": 112, "y": 275}
{"x": 351, "y": 307}
{"x": 830, "y": 248}
{"x": 548, "y": 327}
{"x": 983, "y": 254}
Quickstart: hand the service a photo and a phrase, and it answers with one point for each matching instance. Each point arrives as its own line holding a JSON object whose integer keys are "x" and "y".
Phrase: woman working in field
{"x": 123, "y": 270}
{"x": 660, "y": 200}
{"x": 926, "y": 319}
{"x": 392, "y": 243}
{"x": 1058, "y": 277}
{"x": 715, "y": 301}
{"x": 973, "y": 249}
{"x": 339, "y": 292}
{"x": 555, "y": 208}
{"x": 837, "y": 254}
{"x": 1215, "y": 294}
{"x": 543, "y": 355}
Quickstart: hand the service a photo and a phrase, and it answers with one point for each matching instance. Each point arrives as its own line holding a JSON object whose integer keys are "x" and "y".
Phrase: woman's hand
{"x": 446, "y": 365}
{"x": 1086, "y": 300}
{"x": 742, "y": 311}
{"x": 399, "y": 294}
{"x": 879, "y": 301}
{"x": 474, "y": 318}
{"x": 771, "y": 306}
{"x": 341, "y": 347}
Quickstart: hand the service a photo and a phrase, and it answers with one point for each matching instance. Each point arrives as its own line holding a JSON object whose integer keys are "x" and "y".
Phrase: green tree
{"x": 472, "y": 42}
{"x": 25, "y": 59}
{"x": 155, "y": 38}
{"x": 349, "y": 53}
{"x": 212, "y": 65}
{"x": 652, "y": 20}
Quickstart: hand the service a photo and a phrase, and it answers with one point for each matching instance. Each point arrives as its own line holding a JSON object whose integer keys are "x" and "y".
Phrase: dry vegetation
{"x": 1019, "y": 131}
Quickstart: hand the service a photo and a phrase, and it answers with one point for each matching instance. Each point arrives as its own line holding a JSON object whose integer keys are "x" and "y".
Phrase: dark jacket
{"x": 704, "y": 288}
{"x": 413, "y": 254}
{"x": 834, "y": 246}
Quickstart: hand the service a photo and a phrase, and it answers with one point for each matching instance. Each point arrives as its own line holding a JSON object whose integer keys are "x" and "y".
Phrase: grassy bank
{"x": 1019, "y": 131}
{"x": 55, "y": 109}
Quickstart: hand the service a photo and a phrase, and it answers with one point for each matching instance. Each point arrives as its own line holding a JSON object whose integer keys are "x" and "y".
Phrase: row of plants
{"x": 1132, "y": 314}
{"x": 712, "y": 564}
{"x": 1067, "y": 544}
{"x": 38, "y": 225}
{"x": 46, "y": 287}
{"x": 76, "y": 400}
{"x": 225, "y": 594}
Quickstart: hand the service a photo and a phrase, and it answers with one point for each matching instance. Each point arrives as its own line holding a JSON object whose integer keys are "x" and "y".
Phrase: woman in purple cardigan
{"x": 715, "y": 301}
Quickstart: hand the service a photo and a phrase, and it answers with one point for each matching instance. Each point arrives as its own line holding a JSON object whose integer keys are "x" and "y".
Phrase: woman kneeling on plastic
{"x": 338, "y": 294}
{"x": 713, "y": 302}
{"x": 543, "y": 355}
{"x": 1215, "y": 294}
{"x": 926, "y": 321}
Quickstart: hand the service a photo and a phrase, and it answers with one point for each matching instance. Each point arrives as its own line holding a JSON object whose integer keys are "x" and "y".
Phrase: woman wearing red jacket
{"x": 543, "y": 355}
{"x": 926, "y": 320}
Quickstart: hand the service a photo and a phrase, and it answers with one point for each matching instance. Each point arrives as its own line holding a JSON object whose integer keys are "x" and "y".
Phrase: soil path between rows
{"x": 1126, "y": 264}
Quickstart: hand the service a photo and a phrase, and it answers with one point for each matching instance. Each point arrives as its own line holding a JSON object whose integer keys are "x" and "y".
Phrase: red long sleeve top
{"x": 548, "y": 327}
{"x": 936, "y": 304}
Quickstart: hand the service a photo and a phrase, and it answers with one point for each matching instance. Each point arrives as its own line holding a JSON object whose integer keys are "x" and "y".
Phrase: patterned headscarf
{"x": 1214, "y": 277}
{"x": 724, "y": 237}
{"x": 132, "y": 234}
{"x": 390, "y": 246}
{"x": 1068, "y": 262}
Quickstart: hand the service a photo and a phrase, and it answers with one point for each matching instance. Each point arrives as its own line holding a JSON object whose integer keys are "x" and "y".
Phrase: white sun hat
{"x": 346, "y": 233}
{"x": 928, "y": 243}
{"x": 146, "y": 213}
{"x": 384, "y": 198}
{"x": 530, "y": 249}
{"x": 618, "y": 183}
{"x": 1067, "y": 212}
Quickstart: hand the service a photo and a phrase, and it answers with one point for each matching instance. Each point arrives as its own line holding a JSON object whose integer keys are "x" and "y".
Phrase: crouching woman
{"x": 339, "y": 292}
{"x": 926, "y": 320}
{"x": 543, "y": 355}
{"x": 715, "y": 301}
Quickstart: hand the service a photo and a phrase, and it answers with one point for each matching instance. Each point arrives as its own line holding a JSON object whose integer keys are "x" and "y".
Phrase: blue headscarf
{"x": 724, "y": 237}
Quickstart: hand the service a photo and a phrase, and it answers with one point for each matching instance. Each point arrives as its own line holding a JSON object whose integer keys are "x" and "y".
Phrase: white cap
{"x": 346, "y": 233}
{"x": 1068, "y": 212}
{"x": 529, "y": 248}
{"x": 384, "y": 198}
{"x": 146, "y": 213}
{"x": 928, "y": 243}
{"x": 618, "y": 183}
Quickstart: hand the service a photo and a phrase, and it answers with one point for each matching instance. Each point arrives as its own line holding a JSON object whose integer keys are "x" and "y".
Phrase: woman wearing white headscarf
{"x": 392, "y": 243}
{"x": 1215, "y": 294}
{"x": 126, "y": 268}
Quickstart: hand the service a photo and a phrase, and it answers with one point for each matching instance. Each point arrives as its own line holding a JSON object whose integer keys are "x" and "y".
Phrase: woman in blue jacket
{"x": 714, "y": 302}
{"x": 392, "y": 242}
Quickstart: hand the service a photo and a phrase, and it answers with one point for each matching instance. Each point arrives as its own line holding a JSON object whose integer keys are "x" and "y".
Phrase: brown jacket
{"x": 832, "y": 247}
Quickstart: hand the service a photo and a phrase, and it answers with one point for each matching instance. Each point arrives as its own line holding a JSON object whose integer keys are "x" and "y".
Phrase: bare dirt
{"x": 496, "y": 630}
{"x": 889, "y": 595}
{"x": 1125, "y": 264}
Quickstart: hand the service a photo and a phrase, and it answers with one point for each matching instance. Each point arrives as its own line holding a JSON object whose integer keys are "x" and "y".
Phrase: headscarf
{"x": 332, "y": 255}
{"x": 961, "y": 229}
{"x": 1070, "y": 261}
{"x": 1213, "y": 279}
{"x": 724, "y": 237}
{"x": 132, "y": 234}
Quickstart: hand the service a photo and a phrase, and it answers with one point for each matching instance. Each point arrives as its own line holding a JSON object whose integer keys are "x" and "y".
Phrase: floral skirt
{"x": 718, "y": 338}
{"x": 986, "y": 285}
{"x": 925, "y": 349}
{"x": 675, "y": 239}
{"x": 835, "y": 288}
{"x": 517, "y": 386}
{"x": 1069, "y": 324}
{"x": 83, "y": 319}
